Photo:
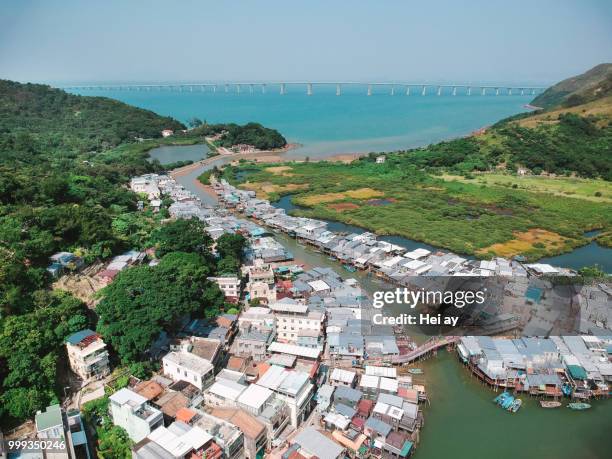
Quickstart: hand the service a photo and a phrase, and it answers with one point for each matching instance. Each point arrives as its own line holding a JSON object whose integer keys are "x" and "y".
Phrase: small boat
{"x": 579, "y": 406}
{"x": 500, "y": 398}
{"x": 507, "y": 403}
{"x": 516, "y": 404}
{"x": 349, "y": 268}
{"x": 549, "y": 404}
{"x": 566, "y": 388}
{"x": 415, "y": 371}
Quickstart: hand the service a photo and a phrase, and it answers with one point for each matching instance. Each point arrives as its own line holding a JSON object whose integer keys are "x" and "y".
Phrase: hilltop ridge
{"x": 594, "y": 84}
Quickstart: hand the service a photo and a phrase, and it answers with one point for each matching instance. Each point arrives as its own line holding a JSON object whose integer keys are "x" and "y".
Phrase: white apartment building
{"x": 224, "y": 393}
{"x": 185, "y": 366}
{"x": 132, "y": 412}
{"x": 229, "y": 285}
{"x": 293, "y": 317}
{"x": 87, "y": 355}
{"x": 292, "y": 387}
{"x": 146, "y": 185}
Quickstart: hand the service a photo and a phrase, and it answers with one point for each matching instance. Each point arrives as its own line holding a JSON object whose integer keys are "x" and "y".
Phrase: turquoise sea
{"x": 326, "y": 124}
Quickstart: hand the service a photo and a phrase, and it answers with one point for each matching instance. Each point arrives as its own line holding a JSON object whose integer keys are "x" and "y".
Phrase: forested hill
{"x": 592, "y": 85}
{"x": 64, "y": 164}
{"x": 563, "y": 140}
{"x": 51, "y": 119}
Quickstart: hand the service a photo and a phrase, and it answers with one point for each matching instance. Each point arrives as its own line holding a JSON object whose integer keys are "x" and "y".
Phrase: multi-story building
{"x": 253, "y": 343}
{"x": 262, "y": 291}
{"x": 255, "y": 438}
{"x": 54, "y": 424}
{"x": 87, "y": 355}
{"x": 132, "y": 412}
{"x": 185, "y": 366}
{"x": 293, "y": 317}
{"x": 177, "y": 441}
{"x": 229, "y": 438}
{"x": 229, "y": 285}
{"x": 293, "y": 387}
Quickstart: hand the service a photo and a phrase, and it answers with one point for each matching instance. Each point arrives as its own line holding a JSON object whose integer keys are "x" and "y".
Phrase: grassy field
{"x": 588, "y": 189}
{"x": 485, "y": 216}
{"x": 600, "y": 108}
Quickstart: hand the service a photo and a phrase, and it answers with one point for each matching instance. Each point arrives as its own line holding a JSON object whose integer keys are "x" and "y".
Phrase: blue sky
{"x": 537, "y": 41}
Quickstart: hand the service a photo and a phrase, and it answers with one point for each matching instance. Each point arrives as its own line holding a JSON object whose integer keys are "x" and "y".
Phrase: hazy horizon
{"x": 439, "y": 42}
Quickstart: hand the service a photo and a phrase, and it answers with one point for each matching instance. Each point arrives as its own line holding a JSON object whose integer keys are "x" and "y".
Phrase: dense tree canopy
{"x": 143, "y": 301}
{"x": 250, "y": 134}
{"x": 230, "y": 248}
{"x": 30, "y": 347}
{"x": 182, "y": 236}
{"x": 576, "y": 144}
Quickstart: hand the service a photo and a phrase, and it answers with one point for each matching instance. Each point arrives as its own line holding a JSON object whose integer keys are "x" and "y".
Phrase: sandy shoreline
{"x": 272, "y": 156}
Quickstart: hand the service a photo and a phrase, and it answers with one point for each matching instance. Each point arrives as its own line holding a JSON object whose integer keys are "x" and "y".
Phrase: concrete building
{"x": 54, "y": 424}
{"x": 224, "y": 393}
{"x": 229, "y": 285}
{"x": 132, "y": 412}
{"x": 177, "y": 441}
{"x": 188, "y": 367}
{"x": 87, "y": 355}
{"x": 312, "y": 443}
{"x": 255, "y": 438}
{"x": 253, "y": 343}
{"x": 229, "y": 438}
{"x": 293, "y": 317}
{"x": 341, "y": 377}
{"x": 262, "y": 291}
{"x": 292, "y": 387}
{"x": 255, "y": 399}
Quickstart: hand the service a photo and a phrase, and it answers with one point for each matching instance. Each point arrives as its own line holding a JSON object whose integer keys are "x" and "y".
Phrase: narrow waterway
{"x": 462, "y": 422}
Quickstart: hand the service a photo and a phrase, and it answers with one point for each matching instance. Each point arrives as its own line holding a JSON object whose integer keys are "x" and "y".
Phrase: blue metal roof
{"x": 79, "y": 336}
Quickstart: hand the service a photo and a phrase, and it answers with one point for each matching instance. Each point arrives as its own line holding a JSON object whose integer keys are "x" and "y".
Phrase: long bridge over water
{"x": 309, "y": 87}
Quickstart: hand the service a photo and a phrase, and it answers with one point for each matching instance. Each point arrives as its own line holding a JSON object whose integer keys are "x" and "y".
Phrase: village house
{"x": 87, "y": 355}
{"x": 178, "y": 440}
{"x": 188, "y": 367}
{"x": 229, "y": 285}
{"x": 255, "y": 437}
{"x": 293, "y": 317}
{"x": 261, "y": 291}
{"x": 228, "y": 437}
{"x": 341, "y": 377}
{"x": 132, "y": 412}
{"x": 253, "y": 343}
{"x": 312, "y": 443}
{"x": 293, "y": 387}
{"x": 255, "y": 399}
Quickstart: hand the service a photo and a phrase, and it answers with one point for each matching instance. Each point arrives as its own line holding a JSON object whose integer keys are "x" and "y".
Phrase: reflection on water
{"x": 167, "y": 154}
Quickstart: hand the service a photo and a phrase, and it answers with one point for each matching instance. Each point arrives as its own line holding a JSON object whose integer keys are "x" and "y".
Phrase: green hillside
{"x": 55, "y": 120}
{"x": 591, "y": 85}
{"x": 63, "y": 161}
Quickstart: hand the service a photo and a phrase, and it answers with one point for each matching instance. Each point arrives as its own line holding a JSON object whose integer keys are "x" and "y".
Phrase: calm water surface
{"x": 169, "y": 153}
{"x": 326, "y": 124}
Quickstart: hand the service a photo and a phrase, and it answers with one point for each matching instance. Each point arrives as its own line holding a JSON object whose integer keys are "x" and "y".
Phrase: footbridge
{"x": 431, "y": 345}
